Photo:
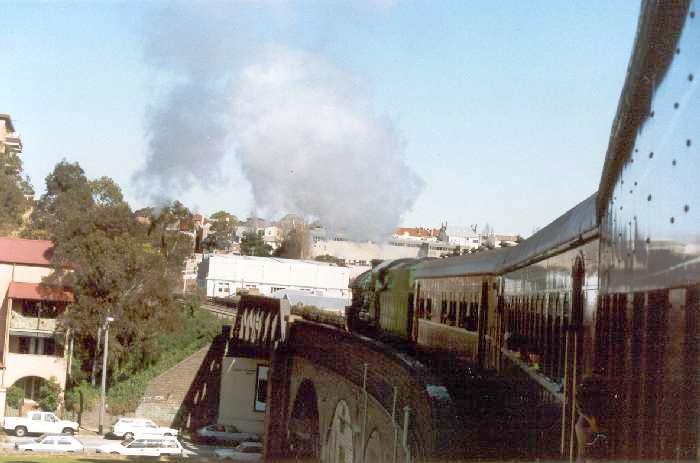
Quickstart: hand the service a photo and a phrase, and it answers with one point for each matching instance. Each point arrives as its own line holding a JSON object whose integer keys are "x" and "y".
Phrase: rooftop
{"x": 8, "y": 122}
{"x": 21, "y": 251}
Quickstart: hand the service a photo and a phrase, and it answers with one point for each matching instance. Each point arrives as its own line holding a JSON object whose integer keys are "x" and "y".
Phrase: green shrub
{"x": 49, "y": 395}
{"x": 15, "y": 395}
{"x": 81, "y": 397}
{"x": 198, "y": 329}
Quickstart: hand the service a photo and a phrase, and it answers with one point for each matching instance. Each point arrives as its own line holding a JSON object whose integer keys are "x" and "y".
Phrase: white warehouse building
{"x": 222, "y": 275}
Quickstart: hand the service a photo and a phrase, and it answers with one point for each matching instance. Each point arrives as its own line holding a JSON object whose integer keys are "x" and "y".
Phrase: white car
{"x": 247, "y": 451}
{"x": 226, "y": 433}
{"x": 144, "y": 446}
{"x": 39, "y": 423}
{"x": 128, "y": 428}
{"x": 51, "y": 443}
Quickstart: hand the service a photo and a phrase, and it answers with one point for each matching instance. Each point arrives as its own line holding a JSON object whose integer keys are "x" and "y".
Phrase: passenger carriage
{"x": 611, "y": 287}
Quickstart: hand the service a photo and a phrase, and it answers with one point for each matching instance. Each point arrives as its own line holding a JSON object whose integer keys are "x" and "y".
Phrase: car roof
{"x": 252, "y": 444}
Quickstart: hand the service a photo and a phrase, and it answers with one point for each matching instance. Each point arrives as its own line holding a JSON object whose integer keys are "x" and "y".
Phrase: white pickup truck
{"x": 39, "y": 423}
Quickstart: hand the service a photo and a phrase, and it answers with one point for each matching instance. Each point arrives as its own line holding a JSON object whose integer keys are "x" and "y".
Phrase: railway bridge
{"x": 339, "y": 396}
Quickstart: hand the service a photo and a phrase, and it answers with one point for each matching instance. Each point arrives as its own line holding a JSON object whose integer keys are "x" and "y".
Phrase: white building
{"x": 464, "y": 237}
{"x": 222, "y": 275}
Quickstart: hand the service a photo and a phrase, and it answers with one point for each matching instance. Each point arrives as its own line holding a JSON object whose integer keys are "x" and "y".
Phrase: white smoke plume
{"x": 309, "y": 142}
{"x": 306, "y": 135}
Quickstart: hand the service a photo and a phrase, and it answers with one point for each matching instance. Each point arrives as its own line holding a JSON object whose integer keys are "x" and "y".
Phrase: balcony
{"x": 28, "y": 323}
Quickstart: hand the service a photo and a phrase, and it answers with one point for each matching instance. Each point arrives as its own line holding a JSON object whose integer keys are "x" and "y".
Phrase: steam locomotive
{"x": 611, "y": 287}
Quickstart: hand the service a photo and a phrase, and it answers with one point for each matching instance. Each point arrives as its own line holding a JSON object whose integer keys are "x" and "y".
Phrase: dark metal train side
{"x": 648, "y": 319}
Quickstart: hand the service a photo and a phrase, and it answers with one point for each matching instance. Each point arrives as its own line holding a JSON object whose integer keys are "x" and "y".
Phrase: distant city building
{"x": 303, "y": 298}
{"x": 464, "y": 237}
{"x": 273, "y": 236}
{"x": 223, "y": 275}
{"x": 416, "y": 234}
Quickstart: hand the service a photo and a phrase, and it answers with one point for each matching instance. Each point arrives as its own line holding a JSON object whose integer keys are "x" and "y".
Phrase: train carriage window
{"x": 453, "y": 313}
{"x": 473, "y": 316}
{"x": 462, "y": 314}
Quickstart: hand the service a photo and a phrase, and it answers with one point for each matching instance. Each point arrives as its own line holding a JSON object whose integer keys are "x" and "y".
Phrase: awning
{"x": 37, "y": 292}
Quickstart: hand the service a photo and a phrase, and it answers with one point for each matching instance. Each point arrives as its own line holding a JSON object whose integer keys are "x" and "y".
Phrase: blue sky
{"x": 502, "y": 108}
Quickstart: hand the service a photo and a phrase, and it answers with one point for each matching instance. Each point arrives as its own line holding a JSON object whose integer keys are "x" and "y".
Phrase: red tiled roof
{"x": 20, "y": 251}
{"x": 417, "y": 232}
{"x": 36, "y": 292}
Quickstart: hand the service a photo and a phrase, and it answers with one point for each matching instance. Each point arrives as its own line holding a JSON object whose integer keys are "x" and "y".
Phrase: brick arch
{"x": 304, "y": 421}
{"x": 31, "y": 385}
{"x": 334, "y": 361}
{"x": 339, "y": 442}
{"x": 373, "y": 449}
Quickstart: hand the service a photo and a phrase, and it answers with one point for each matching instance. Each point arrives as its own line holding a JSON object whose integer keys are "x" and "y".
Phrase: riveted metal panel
{"x": 650, "y": 233}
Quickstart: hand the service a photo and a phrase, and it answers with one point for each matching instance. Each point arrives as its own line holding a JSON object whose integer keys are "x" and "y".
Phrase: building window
{"x": 261, "y": 388}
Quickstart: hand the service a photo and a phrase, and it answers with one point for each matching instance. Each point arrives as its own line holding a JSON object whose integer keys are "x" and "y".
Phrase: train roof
{"x": 362, "y": 280}
{"x": 480, "y": 263}
{"x": 571, "y": 226}
{"x": 660, "y": 26}
{"x": 392, "y": 263}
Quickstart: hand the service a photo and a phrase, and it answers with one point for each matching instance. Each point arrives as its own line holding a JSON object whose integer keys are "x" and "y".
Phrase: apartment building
{"x": 10, "y": 141}
{"x": 31, "y": 348}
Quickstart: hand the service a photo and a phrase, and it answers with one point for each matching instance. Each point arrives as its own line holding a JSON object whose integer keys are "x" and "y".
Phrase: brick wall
{"x": 187, "y": 395}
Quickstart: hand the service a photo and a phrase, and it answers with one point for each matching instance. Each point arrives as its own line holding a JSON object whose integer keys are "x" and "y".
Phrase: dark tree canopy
{"x": 252, "y": 244}
{"x": 14, "y": 191}
{"x": 114, "y": 266}
{"x": 295, "y": 244}
{"x": 222, "y": 233}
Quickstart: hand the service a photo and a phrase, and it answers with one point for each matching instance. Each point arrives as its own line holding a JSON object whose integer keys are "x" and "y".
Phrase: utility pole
{"x": 100, "y": 428}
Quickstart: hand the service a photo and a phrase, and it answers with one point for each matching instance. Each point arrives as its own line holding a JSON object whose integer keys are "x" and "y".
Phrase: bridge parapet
{"x": 433, "y": 427}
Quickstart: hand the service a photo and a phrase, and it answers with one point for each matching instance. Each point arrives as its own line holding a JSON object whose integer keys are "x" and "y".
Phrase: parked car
{"x": 247, "y": 451}
{"x": 144, "y": 446}
{"x": 51, "y": 443}
{"x": 226, "y": 433}
{"x": 39, "y": 423}
{"x": 128, "y": 428}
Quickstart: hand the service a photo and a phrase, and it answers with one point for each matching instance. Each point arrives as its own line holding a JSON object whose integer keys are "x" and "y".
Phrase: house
{"x": 261, "y": 322}
{"x": 32, "y": 350}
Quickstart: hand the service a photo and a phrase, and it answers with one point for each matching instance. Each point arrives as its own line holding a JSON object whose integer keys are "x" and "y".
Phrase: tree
{"x": 14, "y": 191}
{"x": 489, "y": 238}
{"x": 15, "y": 396}
{"x": 222, "y": 233}
{"x": 330, "y": 259}
{"x": 113, "y": 265}
{"x": 49, "y": 395}
{"x": 295, "y": 244}
{"x": 252, "y": 244}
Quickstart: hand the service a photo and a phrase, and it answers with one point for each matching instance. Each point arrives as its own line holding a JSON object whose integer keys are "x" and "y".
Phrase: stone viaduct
{"x": 341, "y": 397}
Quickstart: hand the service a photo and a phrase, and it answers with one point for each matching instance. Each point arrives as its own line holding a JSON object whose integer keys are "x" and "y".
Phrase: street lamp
{"x": 105, "y": 328}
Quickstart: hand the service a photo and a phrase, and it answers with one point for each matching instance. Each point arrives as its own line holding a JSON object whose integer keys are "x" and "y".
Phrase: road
{"x": 92, "y": 441}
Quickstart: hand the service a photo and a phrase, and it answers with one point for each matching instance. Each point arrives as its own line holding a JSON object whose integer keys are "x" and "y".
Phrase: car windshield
{"x": 126, "y": 442}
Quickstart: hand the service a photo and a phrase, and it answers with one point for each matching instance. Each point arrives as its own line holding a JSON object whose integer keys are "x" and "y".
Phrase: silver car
{"x": 226, "y": 433}
{"x": 51, "y": 443}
